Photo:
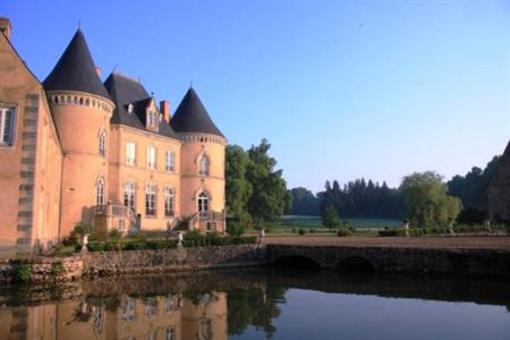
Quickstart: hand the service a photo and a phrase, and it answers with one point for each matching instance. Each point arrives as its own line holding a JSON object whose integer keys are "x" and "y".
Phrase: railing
{"x": 117, "y": 210}
{"x": 210, "y": 215}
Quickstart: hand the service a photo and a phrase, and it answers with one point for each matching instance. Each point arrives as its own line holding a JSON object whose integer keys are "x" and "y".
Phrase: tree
{"x": 270, "y": 198}
{"x": 238, "y": 188}
{"x": 304, "y": 202}
{"x": 330, "y": 218}
{"x": 472, "y": 191}
{"x": 426, "y": 201}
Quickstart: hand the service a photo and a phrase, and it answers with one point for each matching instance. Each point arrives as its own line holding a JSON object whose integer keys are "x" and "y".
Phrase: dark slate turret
{"x": 75, "y": 70}
{"x": 191, "y": 116}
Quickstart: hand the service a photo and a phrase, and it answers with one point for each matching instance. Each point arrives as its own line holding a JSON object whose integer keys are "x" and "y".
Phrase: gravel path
{"x": 460, "y": 242}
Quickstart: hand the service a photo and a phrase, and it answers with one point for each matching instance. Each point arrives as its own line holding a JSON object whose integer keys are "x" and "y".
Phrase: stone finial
{"x": 6, "y": 27}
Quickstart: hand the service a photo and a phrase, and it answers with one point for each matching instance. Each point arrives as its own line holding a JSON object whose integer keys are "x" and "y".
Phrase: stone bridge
{"x": 469, "y": 262}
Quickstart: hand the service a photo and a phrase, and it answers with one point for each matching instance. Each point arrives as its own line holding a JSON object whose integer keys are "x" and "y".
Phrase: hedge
{"x": 200, "y": 241}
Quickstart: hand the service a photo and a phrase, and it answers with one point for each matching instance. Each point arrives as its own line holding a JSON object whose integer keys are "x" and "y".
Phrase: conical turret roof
{"x": 75, "y": 70}
{"x": 191, "y": 116}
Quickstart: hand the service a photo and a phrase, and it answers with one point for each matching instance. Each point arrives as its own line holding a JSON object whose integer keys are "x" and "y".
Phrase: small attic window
{"x": 130, "y": 108}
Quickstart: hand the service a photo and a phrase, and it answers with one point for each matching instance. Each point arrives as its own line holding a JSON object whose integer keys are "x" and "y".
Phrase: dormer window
{"x": 130, "y": 108}
{"x": 152, "y": 120}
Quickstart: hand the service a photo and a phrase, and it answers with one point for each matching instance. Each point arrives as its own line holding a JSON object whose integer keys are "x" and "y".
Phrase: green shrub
{"x": 294, "y": 230}
{"x": 23, "y": 272}
{"x": 114, "y": 235}
{"x": 235, "y": 229}
{"x": 301, "y": 231}
{"x": 343, "y": 232}
{"x": 311, "y": 230}
{"x": 95, "y": 246}
{"x": 57, "y": 269}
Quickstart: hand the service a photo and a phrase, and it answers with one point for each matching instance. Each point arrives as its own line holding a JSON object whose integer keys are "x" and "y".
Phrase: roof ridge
{"x": 120, "y": 74}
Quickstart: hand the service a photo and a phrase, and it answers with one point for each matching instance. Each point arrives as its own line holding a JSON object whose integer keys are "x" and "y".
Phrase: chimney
{"x": 164, "y": 106}
{"x": 98, "y": 71}
{"x": 5, "y": 27}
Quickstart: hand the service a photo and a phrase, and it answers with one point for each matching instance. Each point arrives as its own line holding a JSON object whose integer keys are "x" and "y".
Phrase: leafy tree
{"x": 238, "y": 188}
{"x": 472, "y": 190}
{"x": 304, "y": 202}
{"x": 330, "y": 218}
{"x": 270, "y": 198}
{"x": 426, "y": 201}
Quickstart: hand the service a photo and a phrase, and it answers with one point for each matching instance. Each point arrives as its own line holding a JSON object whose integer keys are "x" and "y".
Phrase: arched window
{"x": 100, "y": 192}
{"x": 203, "y": 166}
{"x": 129, "y": 195}
{"x": 150, "y": 200}
{"x": 169, "y": 202}
{"x": 102, "y": 143}
{"x": 203, "y": 203}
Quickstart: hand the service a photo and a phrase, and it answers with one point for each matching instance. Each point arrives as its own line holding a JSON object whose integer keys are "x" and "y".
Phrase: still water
{"x": 260, "y": 304}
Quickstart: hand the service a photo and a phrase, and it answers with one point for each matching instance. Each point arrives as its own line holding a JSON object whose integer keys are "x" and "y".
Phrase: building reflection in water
{"x": 171, "y": 317}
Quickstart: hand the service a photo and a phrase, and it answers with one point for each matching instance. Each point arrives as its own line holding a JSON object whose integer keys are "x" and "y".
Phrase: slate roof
{"x": 75, "y": 70}
{"x": 191, "y": 116}
{"x": 124, "y": 91}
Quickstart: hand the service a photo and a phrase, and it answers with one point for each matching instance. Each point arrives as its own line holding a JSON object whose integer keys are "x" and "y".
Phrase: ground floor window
{"x": 129, "y": 195}
{"x": 150, "y": 200}
{"x": 203, "y": 203}
{"x": 169, "y": 202}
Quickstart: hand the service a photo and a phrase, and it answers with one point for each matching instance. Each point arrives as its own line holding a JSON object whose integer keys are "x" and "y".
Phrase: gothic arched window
{"x": 203, "y": 166}
{"x": 102, "y": 143}
{"x": 100, "y": 188}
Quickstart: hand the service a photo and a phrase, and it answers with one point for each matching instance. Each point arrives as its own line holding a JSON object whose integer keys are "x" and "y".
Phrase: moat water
{"x": 260, "y": 304}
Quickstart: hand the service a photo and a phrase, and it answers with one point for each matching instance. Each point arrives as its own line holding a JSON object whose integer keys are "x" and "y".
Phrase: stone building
{"x": 498, "y": 191}
{"x": 74, "y": 149}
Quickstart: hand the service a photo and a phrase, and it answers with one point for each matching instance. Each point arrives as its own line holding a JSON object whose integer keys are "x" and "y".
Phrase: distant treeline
{"x": 361, "y": 198}
{"x": 358, "y": 198}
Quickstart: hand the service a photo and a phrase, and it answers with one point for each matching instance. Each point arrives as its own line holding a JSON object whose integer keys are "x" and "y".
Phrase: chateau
{"x": 74, "y": 149}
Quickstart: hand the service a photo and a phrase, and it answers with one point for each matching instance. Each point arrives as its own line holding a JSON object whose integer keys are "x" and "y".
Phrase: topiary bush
{"x": 301, "y": 231}
{"x": 343, "y": 232}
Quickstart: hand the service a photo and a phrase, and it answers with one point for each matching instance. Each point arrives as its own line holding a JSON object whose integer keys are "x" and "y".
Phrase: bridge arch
{"x": 355, "y": 264}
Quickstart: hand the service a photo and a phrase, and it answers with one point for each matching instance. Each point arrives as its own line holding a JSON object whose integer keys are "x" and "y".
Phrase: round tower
{"x": 202, "y": 165}
{"x": 82, "y": 109}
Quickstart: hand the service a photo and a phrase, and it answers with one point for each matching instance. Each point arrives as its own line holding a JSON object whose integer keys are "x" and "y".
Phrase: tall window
{"x": 150, "y": 200}
{"x": 169, "y": 202}
{"x": 129, "y": 195}
{"x": 170, "y": 161}
{"x": 170, "y": 333}
{"x": 203, "y": 203}
{"x": 7, "y": 125}
{"x": 203, "y": 166}
{"x": 151, "y": 157}
{"x": 130, "y": 153}
{"x": 102, "y": 143}
{"x": 100, "y": 192}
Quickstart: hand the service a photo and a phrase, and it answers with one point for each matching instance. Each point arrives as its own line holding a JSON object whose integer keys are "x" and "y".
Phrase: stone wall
{"x": 43, "y": 269}
{"x": 130, "y": 262}
{"x": 182, "y": 259}
{"x": 472, "y": 262}
{"x": 466, "y": 262}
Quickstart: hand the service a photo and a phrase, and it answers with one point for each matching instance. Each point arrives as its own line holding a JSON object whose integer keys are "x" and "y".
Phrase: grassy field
{"x": 314, "y": 222}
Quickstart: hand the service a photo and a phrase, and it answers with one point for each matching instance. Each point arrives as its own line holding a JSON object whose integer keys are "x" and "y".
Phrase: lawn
{"x": 308, "y": 222}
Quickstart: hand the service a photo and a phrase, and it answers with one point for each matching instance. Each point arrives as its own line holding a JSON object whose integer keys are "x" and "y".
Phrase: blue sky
{"x": 341, "y": 89}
